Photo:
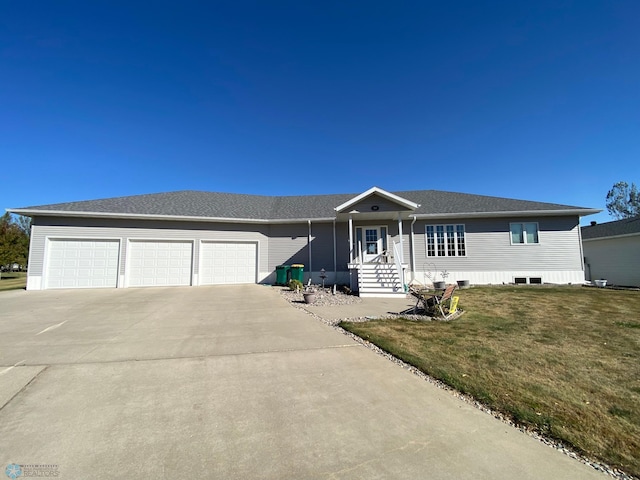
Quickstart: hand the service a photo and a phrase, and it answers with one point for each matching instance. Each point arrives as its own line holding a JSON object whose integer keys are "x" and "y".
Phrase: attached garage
{"x": 153, "y": 263}
{"x": 73, "y": 263}
{"x": 228, "y": 262}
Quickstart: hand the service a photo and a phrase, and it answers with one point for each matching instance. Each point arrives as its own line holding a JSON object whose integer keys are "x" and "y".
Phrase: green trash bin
{"x": 297, "y": 272}
{"x": 283, "y": 274}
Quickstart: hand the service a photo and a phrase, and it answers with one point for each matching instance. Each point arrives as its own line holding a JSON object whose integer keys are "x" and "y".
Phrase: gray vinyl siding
{"x": 488, "y": 242}
{"x": 488, "y": 246}
{"x": 288, "y": 245}
{"x": 322, "y": 246}
{"x": 614, "y": 259}
{"x": 383, "y": 205}
{"x": 342, "y": 247}
{"x": 141, "y": 229}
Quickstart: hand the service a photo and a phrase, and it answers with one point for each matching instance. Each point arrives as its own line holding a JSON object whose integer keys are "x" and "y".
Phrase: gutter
{"x": 145, "y": 216}
{"x": 182, "y": 218}
{"x": 623, "y": 235}
{"x": 515, "y": 213}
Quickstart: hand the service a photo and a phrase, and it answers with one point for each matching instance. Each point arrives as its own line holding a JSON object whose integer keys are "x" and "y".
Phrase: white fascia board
{"x": 624, "y": 235}
{"x": 383, "y": 193}
{"x": 141, "y": 216}
{"x": 522, "y": 213}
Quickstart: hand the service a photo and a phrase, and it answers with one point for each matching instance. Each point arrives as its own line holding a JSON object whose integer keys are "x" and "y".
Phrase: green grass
{"x": 562, "y": 360}
{"x": 13, "y": 280}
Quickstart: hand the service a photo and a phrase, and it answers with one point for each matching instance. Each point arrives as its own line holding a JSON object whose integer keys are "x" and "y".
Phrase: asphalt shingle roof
{"x": 189, "y": 203}
{"x": 610, "y": 229}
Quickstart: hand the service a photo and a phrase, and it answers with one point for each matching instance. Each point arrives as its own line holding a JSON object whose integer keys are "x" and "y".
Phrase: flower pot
{"x": 600, "y": 283}
{"x": 439, "y": 285}
{"x": 309, "y": 297}
{"x": 463, "y": 283}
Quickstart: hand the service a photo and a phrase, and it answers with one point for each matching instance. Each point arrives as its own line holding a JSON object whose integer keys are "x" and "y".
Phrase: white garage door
{"x": 227, "y": 263}
{"x": 156, "y": 263}
{"x": 82, "y": 263}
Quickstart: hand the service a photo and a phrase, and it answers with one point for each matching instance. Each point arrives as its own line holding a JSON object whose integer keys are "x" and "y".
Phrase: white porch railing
{"x": 360, "y": 264}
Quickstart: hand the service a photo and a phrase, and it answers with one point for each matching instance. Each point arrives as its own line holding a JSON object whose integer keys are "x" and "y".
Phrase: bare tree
{"x": 623, "y": 201}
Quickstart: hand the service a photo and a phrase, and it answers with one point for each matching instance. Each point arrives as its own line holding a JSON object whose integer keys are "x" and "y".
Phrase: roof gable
{"x": 374, "y": 193}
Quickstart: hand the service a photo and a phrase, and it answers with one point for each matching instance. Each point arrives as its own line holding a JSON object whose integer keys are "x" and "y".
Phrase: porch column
{"x": 401, "y": 242}
{"x": 335, "y": 263}
{"x": 350, "y": 239}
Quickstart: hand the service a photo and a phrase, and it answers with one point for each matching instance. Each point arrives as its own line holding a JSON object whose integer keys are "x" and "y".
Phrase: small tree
{"x": 14, "y": 240}
{"x": 623, "y": 201}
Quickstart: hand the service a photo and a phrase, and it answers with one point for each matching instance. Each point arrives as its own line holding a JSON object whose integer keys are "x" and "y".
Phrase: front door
{"x": 374, "y": 243}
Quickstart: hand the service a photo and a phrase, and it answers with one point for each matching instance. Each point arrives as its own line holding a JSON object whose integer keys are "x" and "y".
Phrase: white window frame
{"x": 445, "y": 230}
{"x": 524, "y": 233}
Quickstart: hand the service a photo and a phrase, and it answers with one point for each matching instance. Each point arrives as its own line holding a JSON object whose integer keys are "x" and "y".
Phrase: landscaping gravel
{"x": 323, "y": 297}
{"x": 340, "y": 298}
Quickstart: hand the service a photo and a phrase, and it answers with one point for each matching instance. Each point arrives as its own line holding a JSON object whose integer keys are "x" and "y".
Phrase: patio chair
{"x": 435, "y": 304}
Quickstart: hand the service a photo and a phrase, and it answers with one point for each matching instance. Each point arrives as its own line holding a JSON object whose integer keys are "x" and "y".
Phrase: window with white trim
{"x": 446, "y": 241}
{"x": 525, "y": 233}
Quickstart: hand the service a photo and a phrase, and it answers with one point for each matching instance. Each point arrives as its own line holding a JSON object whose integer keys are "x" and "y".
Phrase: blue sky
{"x": 537, "y": 100}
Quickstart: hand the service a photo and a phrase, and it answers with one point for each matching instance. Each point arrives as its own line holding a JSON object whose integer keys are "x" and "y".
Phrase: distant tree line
{"x": 623, "y": 201}
{"x": 14, "y": 240}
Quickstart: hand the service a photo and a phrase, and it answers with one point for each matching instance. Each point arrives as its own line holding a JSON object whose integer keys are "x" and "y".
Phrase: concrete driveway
{"x": 230, "y": 383}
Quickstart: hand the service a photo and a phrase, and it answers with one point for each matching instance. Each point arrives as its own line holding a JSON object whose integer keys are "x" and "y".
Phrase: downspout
{"x": 581, "y": 250}
{"x": 309, "y": 244}
{"x": 335, "y": 262}
{"x": 413, "y": 250}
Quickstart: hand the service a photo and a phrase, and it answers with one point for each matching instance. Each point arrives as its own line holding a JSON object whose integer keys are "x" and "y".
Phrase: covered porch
{"x": 376, "y": 242}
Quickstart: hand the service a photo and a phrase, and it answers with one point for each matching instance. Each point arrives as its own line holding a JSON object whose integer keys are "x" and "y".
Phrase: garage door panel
{"x": 160, "y": 263}
{"x": 82, "y": 263}
{"x": 228, "y": 263}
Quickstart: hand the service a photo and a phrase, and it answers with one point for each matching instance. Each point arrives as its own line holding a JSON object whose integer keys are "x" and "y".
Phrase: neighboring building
{"x": 612, "y": 251}
{"x": 376, "y": 241}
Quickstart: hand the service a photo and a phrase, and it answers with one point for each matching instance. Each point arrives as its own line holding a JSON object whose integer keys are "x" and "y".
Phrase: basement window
{"x": 527, "y": 280}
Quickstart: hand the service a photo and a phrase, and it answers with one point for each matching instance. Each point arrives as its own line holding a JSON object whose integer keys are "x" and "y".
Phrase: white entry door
{"x": 228, "y": 263}
{"x": 159, "y": 263}
{"x": 373, "y": 241}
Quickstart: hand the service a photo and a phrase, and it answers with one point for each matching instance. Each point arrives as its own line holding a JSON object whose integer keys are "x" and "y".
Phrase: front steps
{"x": 379, "y": 280}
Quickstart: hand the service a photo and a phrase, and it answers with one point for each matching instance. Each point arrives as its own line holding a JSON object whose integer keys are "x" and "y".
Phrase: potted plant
{"x": 295, "y": 285}
{"x": 600, "y": 283}
{"x": 309, "y": 295}
{"x": 443, "y": 283}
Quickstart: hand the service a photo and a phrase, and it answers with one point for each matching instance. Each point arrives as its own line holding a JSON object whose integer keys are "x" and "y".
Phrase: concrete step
{"x": 377, "y": 286}
{"x": 380, "y": 289}
{"x": 379, "y": 281}
{"x": 381, "y": 295}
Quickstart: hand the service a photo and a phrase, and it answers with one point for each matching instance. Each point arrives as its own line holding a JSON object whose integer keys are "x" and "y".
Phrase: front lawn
{"x": 13, "y": 280}
{"x": 562, "y": 360}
